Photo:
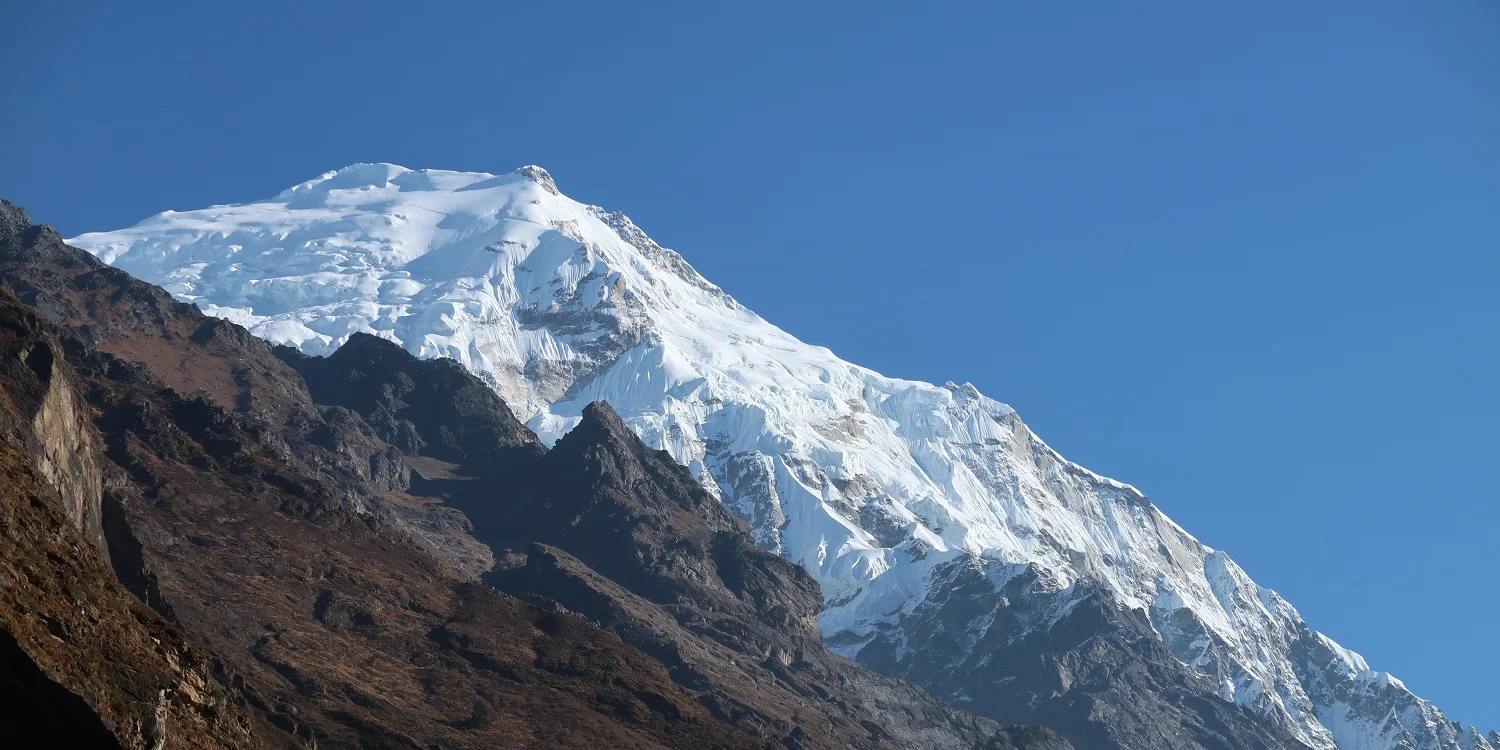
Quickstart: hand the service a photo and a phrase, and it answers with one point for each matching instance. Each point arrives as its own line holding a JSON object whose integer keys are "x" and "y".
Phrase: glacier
{"x": 875, "y": 485}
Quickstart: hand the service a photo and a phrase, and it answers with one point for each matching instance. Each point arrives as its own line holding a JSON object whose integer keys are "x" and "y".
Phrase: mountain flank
{"x": 211, "y": 543}
{"x": 951, "y": 545}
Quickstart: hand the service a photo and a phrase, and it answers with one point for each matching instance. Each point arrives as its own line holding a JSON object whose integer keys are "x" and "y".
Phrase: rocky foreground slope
{"x": 952, "y": 545}
{"x": 82, "y": 663}
{"x": 202, "y": 547}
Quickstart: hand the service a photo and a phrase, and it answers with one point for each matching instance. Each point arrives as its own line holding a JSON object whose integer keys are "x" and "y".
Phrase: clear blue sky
{"x": 1242, "y": 257}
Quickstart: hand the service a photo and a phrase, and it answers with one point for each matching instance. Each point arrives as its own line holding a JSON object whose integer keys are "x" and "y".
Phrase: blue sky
{"x": 1244, "y": 258}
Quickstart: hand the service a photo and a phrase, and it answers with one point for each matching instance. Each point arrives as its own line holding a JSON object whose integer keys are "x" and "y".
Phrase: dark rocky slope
{"x": 604, "y": 527}
{"x": 82, "y": 663}
{"x": 1096, "y": 674}
{"x": 311, "y": 580}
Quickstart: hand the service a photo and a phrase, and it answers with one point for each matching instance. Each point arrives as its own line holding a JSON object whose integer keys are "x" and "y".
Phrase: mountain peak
{"x": 556, "y": 304}
{"x": 354, "y": 176}
{"x": 540, "y": 176}
{"x": 599, "y": 415}
{"x": 12, "y": 217}
{"x": 369, "y": 346}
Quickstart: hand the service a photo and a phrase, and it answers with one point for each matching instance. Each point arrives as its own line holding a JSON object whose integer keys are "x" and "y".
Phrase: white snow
{"x": 556, "y": 303}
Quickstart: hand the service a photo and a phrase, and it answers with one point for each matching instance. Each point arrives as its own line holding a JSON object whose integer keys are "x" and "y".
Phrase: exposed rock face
{"x": 424, "y": 407}
{"x": 1089, "y": 672}
{"x": 310, "y": 580}
{"x": 82, "y": 663}
{"x": 67, "y": 451}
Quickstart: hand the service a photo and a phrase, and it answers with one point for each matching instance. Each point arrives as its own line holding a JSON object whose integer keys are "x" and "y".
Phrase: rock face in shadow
{"x": 297, "y": 537}
{"x": 1088, "y": 673}
{"x": 35, "y": 711}
{"x": 429, "y": 408}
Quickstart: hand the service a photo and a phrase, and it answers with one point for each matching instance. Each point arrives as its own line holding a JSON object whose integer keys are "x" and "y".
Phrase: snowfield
{"x": 868, "y": 482}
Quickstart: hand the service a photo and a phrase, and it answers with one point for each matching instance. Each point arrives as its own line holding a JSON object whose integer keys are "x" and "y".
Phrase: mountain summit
{"x": 952, "y": 545}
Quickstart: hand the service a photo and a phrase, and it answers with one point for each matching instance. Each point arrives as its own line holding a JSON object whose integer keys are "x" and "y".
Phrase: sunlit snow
{"x": 867, "y": 481}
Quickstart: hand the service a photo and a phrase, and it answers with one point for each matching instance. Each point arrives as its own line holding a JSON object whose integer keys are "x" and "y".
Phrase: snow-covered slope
{"x": 871, "y": 483}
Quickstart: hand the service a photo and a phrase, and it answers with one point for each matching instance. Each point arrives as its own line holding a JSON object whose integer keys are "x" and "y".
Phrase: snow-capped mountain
{"x": 896, "y": 495}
